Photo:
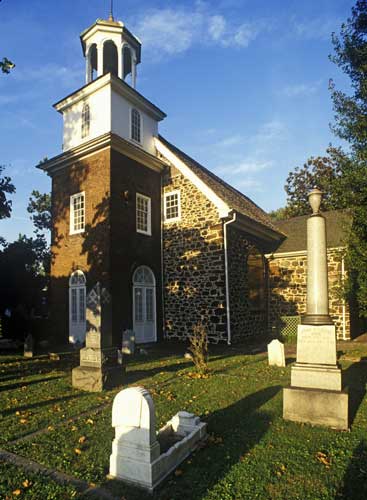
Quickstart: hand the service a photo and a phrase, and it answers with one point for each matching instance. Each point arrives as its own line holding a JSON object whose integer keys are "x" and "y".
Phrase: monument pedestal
{"x": 316, "y": 394}
{"x": 98, "y": 379}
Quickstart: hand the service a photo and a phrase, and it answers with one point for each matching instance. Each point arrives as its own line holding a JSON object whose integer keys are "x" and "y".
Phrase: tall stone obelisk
{"x": 315, "y": 395}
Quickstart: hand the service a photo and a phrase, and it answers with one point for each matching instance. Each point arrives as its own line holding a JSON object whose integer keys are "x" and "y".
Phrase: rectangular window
{"x": 143, "y": 214}
{"x": 172, "y": 206}
{"x": 74, "y": 313}
{"x": 77, "y": 213}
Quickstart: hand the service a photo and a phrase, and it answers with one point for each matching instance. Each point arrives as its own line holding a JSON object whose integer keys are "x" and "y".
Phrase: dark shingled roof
{"x": 337, "y": 225}
{"x": 234, "y": 199}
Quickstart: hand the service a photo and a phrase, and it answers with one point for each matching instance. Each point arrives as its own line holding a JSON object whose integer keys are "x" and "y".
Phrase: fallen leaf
{"x": 82, "y": 439}
{"x": 50, "y": 428}
{"x": 23, "y": 420}
{"x": 26, "y": 483}
{"x": 73, "y": 428}
{"x": 17, "y": 492}
{"x": 178, "y": 472}
{"x": 90, "y": 421}
{"x": 78, "y": 451}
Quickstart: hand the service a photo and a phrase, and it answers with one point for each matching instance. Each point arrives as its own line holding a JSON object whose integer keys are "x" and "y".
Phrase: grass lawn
{"x": 252, "y": 453}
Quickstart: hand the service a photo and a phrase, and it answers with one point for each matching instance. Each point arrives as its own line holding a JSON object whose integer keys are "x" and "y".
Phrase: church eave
{"x": 102, "y": 142}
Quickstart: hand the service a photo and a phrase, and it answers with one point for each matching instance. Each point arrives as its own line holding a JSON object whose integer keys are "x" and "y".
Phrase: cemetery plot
{"x": 251, "y": 452}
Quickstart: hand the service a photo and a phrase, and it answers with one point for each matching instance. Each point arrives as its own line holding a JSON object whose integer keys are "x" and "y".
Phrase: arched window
{"x": 110, "y": 58}
{"x": 256, "y": 279}
{"x": 93, "y": 59}
{"x": 127, "y": 61}
{"x": 135, "y": 125}
{"x": 85, "y": 120}
{"x": 144, "y": 276}
{"x": 77, "y": 307}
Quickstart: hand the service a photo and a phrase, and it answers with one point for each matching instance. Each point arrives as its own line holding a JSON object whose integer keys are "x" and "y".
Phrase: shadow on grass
{"x": 237, "y": 429}
{"x": 355, "y": 378}
{"x": 133, "y": 376}
{"x": 355, "y": 479}
{"x": 24, "y": 383}
{"x": 42, "y": 403}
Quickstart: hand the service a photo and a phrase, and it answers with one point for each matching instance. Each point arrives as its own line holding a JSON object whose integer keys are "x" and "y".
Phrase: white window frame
{"x": 141, "y": 127}
{"x": 148, "y": 232}
{"x": 166, "y": 195}
{"x": 71, "y": 225}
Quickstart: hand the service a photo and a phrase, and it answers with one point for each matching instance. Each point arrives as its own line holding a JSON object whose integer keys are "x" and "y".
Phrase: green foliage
{"x": 251, "y": 453}
{"x": 6, "y": 187}
{"x": 322, "y": 172}
{"x": 6, "y": 65}
{"x": 350, "y": 54}
{"x": 39, "y": 206}
{"x": 278, "y": 214}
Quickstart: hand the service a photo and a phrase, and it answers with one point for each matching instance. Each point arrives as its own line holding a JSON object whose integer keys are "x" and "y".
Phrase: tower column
{"x": 100, "y": 59}
{"x": 133, "y": 71}
{"x": 88, "y": 66}
{"x": 120, "y": 62}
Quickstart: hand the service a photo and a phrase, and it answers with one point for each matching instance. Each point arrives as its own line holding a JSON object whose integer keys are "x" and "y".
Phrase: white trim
{"x": 223, "y": 208}
{"x": 229, "y": 336}
{"x": 71, "y": 222}
{"x": 298, "y": 253}
{"x": 141, "y": 128}
{"x": 148, "y": 232}
{"x": 77, "y": 327}
{"x": 165, "y": 196}
{"x": 145, "y": 286}
{"x": 344, "y": 326}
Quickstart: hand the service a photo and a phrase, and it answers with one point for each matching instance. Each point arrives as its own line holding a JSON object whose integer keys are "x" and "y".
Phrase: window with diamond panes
{"x": 77, "y": 213}
{"x": 135, "y": 125}
{"x": 172, "y": 208}
{"x": 143, "y": 216}
{"x": 85, "y": 120}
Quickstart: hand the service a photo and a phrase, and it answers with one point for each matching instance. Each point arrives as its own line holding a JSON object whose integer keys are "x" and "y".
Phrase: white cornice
{"x": 222, "y": 207}
{"x": 118, "y": 86}
{"x": 97, "y": 145}
{"x": 298, "y": 253}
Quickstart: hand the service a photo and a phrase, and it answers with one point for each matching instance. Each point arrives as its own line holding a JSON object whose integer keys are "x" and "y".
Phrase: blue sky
{"x": 244, "y": 84}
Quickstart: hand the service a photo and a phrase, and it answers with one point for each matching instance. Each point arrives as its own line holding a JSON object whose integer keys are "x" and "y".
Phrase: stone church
{"x": 172, "y": 243}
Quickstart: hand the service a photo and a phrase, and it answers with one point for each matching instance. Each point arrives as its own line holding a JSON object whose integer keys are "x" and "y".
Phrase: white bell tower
{"x": 109, "y": 47}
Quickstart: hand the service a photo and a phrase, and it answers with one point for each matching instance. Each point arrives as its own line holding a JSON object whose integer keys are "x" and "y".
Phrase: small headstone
{"x": 28, "y": 346}
{"x": 276, "y": 353}
{"x": 136, "y": 456}
{"x": 128, "y": 342}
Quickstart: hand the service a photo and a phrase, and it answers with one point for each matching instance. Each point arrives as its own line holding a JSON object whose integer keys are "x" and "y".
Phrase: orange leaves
{"x": 323, "y": 459}
{"x": 89, "y": 421}
{"x": 77, "y": 451}
{"x": 82, "y": 440}
{"x": 178, "y": 472}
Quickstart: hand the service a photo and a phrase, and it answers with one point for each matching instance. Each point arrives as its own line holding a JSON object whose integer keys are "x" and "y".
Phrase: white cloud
{"x": 51, "y": 73}
{"x": 230, "y": 141}
{"x": 300, "y": 89}
{"x": 315, "y": 29}
{"x": 271, "y": 131}
{"x": 244, "y": 167}
{"x": 169, "y": 32}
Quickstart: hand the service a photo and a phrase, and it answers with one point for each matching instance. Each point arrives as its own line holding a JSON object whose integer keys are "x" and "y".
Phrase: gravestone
{"x": 28, "y": 346}
{"x": 276, "y": 353}
{"x": 99, "y": 368}
{"x": 316, "y": 394}
{"x": 128, "y": 342}
{"x": 137, "y": 455}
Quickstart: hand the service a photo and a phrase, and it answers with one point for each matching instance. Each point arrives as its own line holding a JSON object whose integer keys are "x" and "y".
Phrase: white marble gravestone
{"x": 276, "y": 355}
{"x": 136, "y": 450}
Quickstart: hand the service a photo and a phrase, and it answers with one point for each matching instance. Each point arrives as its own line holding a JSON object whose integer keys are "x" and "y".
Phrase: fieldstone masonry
{"x": 287, "y": 289}
{"x": 193, "y": 261}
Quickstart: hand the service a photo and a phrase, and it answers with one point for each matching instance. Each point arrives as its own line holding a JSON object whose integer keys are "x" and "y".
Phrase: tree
{"x": 350, "y": 54}
{"x": 6, "y": 187}
{"x": 322, "y": 172}
{"x": 278, "y": 214}
{"x": 39, "y": 206}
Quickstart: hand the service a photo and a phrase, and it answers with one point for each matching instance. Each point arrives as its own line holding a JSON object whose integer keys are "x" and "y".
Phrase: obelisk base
{"x": 316, "y": 406}
{"x": 96, "y": 379}
{"x": 315, "y": 395}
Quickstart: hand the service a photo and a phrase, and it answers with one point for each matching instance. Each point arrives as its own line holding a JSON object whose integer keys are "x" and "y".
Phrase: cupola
{"x": 109, "y": 47}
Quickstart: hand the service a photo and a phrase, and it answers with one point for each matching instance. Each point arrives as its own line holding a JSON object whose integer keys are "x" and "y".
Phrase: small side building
{"x": 288, "y": 272}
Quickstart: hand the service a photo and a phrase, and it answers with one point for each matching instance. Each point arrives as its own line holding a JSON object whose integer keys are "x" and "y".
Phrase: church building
{"x": 172, "y": 243}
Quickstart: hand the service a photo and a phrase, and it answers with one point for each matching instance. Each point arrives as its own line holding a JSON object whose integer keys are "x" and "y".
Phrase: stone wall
{"x": 287, "y": 289}
{"x": 193, "y": 264}
{"x": 245, "y": 320}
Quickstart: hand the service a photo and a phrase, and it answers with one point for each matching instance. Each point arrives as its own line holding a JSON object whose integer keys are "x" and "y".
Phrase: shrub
{"x": 199, "y": 349}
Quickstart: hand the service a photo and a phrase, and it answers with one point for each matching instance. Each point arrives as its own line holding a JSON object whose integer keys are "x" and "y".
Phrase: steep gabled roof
{"x": 337, "y": 225}
{"x": 234, "y": 198}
